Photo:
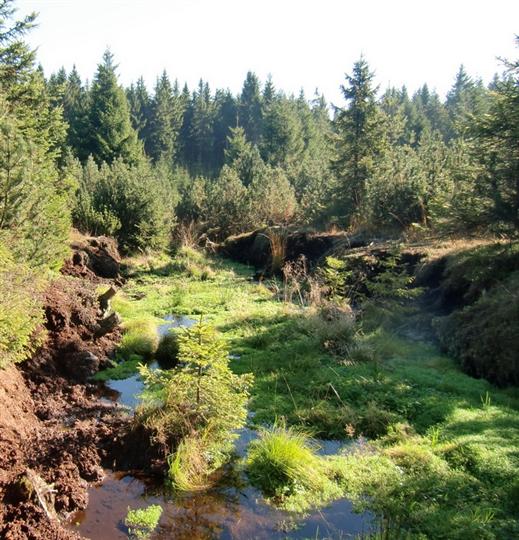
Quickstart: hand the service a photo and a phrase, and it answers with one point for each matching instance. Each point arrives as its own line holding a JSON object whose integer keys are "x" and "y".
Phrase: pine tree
{"x": 272, "y": 199}
{"x": 250, "y": 112}
{"x": 226, "y": 118}
{"x": 16, "y": 59}
{"x": 164, "y": 123}
{"x": 497, "y": 150}
{"x": 358, "y": 139}
{"x": 139, "y": 104}
{"x": 466, "y": 99}
{"x": 243, "y": 157}
{"x": 112, "y": 135}
{"x": 227, "y": 205}
{"x": 76, "y": 107}
{"x": 201, "y": 132}
{"x": 269, "y": 93}
{"x": 283, "y": 142}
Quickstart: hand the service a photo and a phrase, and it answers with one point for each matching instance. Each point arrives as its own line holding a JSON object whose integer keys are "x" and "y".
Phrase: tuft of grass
{"x": 332, "y": 326}
{"x": 188, "y": 468}
{"x": 142, "y": 522}
{"x": 140, "y": 337}
{"x": 284, "y": 465}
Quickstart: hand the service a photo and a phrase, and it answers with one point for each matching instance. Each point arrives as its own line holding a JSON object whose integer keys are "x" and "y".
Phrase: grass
{"x": 143, "y": 521}
{"x": 283, "y": 463}
{"x": 443, "y": 453}
{"x": 188, "y": 467}
{"x": 120, "y": 370}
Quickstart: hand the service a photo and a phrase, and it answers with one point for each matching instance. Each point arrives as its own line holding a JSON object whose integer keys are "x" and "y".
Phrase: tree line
{"x": 381, "y": 162}
{"x": 133, "y": 164}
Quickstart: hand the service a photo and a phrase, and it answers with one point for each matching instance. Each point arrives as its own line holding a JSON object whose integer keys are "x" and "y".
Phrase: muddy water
{"x": 232, "y": 510}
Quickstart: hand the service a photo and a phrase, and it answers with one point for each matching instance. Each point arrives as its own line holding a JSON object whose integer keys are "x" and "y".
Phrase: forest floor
{"x": 440, "y": 455}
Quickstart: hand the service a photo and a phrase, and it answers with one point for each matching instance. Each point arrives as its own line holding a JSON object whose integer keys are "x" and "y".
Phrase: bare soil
{"x": 54, "y": 430}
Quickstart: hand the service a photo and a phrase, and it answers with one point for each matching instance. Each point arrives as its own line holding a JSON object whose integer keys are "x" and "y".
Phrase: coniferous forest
{"x": 314, "y": 302}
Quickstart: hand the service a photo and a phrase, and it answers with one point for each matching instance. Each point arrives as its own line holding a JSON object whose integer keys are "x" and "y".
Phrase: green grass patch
{"x": 120, "y": 370}
{"x": 143, "y": 521}
{"x": 443, "y": 457}
{"x": 284, "y": 465}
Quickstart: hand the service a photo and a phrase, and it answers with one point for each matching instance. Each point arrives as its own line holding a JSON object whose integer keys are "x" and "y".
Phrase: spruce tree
{"x": 226, "y": 118}
{"x": 358, "y": 137}
{"x": 250, "y": 109}
{"x": 16, "y": 58}
{"x": 497, "y": 150}
{"x": 139, "y": 104}
{"x": 76, "y": 107}
{"x": 164, "y": 123}
{"x": 112, "y": 135}
{"x": 243, "y": 157}
{"x": 202, "y": 125}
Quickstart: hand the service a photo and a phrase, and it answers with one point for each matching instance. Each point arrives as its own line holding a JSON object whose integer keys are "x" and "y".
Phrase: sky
{"x": 300, "y": 43}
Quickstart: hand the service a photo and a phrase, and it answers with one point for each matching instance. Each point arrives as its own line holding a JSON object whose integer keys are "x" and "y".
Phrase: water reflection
{"x": 174, "y": 321}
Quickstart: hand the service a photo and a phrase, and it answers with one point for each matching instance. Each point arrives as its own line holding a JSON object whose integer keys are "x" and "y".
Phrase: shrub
{"x": 140, "y": 338}
{"x": 132, "y": 202}
{"x": 143, "y": 521}
{"x": 21, "y": 313}
{"x": 483, "y": 336}
{"x": 332, "y": 326}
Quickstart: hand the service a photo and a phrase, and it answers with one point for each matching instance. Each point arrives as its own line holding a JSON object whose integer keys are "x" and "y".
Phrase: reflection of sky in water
{"x": 234, "y": 510}
{"x": 174, "y": 321}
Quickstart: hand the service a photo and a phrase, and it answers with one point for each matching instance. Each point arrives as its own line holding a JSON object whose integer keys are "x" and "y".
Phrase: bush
{"x": 140, "y": 338}
{"x": 332, "y": 326}
{"x": 483, "y": 336}
{"x": 21, "y": 313}
{"x": 134, "y": 203}
{"x": 143, "y": 521}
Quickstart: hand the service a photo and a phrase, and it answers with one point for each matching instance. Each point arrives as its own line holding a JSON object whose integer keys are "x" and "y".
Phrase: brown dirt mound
{"x": 54, "y": 431}
{"x": 73, "y": 320}
{"x": 96, "y": 259}
{"x": 254, "y": 247}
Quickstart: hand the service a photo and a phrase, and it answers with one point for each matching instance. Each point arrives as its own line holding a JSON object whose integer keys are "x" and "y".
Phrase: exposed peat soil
{"x": 54, "y": 430}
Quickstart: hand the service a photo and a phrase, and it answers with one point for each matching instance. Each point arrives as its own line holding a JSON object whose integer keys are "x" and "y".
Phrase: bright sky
{"x": 302, "y": 43}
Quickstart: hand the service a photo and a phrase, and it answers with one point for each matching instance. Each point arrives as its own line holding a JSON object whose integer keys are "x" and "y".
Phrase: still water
{"x": 231, "y": 510}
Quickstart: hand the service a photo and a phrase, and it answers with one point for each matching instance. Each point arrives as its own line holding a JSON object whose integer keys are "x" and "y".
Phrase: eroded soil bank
{"x": 54, "y": 431}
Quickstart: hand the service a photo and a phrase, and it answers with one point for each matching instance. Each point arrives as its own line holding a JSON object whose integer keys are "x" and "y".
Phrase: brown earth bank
{"x": 54, "y": 430}
{"x": 255, "y": 247}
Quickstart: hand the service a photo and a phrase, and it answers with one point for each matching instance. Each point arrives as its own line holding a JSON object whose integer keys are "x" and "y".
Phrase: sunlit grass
{"x": 445, "y": 444}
